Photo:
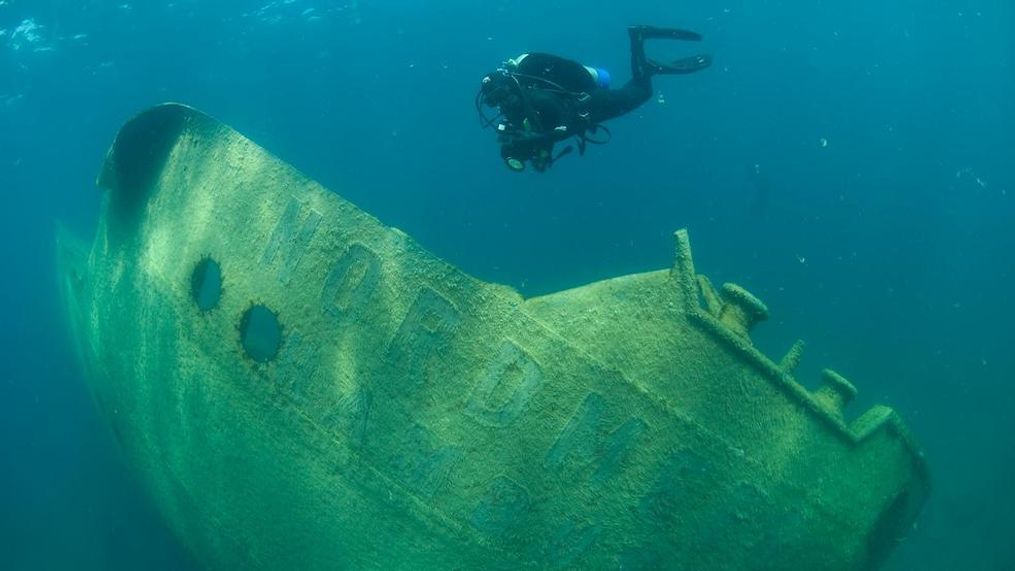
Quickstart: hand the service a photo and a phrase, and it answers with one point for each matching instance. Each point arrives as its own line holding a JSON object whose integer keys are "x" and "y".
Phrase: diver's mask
{"x": 500, "y": 90}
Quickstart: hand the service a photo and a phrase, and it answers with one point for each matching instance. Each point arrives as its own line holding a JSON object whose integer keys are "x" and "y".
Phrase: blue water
{"x": 851, "y": 163}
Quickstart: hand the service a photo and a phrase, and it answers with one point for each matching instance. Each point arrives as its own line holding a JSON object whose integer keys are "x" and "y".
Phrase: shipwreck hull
{"x": 406, "y": 415}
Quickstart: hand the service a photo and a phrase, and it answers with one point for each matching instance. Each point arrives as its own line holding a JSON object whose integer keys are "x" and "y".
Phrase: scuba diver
{"x": 542, "y": 99}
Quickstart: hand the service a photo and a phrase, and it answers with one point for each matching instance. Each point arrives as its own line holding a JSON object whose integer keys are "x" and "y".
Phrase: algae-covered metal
{"x": 301, "y": 387}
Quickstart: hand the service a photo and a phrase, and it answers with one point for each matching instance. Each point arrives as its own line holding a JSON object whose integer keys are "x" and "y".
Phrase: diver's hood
{"x": 299, "y": 386}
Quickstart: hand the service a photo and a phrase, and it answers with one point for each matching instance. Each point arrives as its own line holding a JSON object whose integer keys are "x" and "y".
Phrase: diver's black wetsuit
{"x": 545, "y": 98}
{"x": 602, "y": 104}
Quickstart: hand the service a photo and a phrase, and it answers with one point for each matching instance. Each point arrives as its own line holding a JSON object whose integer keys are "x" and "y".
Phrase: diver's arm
{"x": 550, "y": 137}
{"x": 534, "y": 139}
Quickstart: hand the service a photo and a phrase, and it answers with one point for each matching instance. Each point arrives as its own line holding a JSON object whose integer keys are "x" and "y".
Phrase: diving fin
{"x": 682, "y": 66}
{"x": 654, "y": 33}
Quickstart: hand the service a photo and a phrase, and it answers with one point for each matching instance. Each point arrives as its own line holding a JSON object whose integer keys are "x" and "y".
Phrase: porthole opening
{"x": 260, "y": 333}
{"x": 206, "y": 284}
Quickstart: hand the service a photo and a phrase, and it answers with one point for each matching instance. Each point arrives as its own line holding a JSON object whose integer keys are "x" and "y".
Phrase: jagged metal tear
{"x": 415, "y": 417}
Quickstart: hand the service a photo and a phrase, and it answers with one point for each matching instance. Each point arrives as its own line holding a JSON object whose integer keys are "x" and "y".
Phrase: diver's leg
{"x": 639, "y": 63}
{"x": 610, "y": 103}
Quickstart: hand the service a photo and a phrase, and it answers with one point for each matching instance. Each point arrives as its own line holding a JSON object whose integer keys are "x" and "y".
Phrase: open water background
{"x": 851, "y": 163}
